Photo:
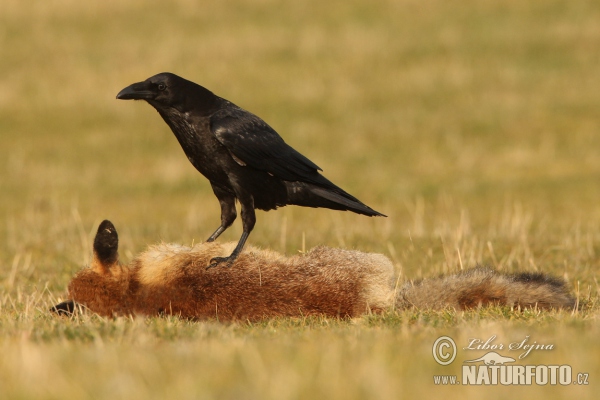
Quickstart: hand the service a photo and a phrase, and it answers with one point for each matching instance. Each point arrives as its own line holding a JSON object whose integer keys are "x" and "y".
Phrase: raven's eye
{"x": 162, "y": 86}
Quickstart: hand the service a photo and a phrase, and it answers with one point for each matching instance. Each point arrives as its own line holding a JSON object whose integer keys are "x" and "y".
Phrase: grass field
{"x": 474, "y": 125}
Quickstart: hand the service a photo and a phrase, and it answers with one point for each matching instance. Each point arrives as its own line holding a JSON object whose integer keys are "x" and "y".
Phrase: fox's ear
{"x": 106, "y": 246}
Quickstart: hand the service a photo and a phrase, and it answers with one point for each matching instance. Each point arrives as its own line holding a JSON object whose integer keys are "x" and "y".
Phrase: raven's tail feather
{"x": 309, "y": 195}
{"x": 350, "y": 204}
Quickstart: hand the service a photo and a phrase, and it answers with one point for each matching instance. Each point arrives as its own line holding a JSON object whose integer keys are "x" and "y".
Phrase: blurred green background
{"x": 473, "y": 125}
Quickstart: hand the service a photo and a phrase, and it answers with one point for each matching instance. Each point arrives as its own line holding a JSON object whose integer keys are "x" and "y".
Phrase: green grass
{"x": 474, "y": 126}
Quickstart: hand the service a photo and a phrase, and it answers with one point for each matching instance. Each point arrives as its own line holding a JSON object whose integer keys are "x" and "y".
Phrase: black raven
{"x": 242, "y": 156}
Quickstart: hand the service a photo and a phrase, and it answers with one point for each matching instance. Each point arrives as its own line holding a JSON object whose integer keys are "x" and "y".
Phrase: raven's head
{"x": 167, "y": 90}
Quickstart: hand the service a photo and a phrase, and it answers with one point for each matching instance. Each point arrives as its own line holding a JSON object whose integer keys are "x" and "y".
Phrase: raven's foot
{"x": 228, "y": 261}
{"x": 222, "y": 261}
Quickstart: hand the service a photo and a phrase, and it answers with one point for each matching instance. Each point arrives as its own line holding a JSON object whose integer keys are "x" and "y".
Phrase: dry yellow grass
{"x": 474, "y": 126}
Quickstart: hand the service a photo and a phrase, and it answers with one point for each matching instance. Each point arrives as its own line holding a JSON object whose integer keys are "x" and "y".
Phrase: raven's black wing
{"x": 253, "y": 143}
{"x": 249, "y": 139}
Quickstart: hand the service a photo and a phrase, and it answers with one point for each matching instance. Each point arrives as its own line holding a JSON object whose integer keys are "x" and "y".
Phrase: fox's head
{"x": 103, "y": 286}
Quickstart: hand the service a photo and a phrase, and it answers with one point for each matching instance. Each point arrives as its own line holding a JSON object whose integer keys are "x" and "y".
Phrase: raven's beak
{"x": 138, "y": 91}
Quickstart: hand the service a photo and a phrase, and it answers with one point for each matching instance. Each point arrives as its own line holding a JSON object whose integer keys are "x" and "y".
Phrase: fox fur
{"x": 171, "y": 279}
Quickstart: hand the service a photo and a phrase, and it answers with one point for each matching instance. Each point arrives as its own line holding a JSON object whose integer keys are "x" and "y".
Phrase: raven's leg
{"x": 248, "y": 221}
{"x": 228, "y": 213}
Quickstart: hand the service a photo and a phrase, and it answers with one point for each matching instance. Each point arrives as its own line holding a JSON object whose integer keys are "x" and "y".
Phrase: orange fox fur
{"x": 172, "y": 279}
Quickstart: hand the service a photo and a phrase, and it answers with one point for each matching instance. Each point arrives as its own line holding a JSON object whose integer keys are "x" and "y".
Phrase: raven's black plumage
{"x": 243, "y": 158}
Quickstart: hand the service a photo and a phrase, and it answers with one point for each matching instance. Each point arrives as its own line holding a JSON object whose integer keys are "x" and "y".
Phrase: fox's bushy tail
{"x": 483, "y": 286}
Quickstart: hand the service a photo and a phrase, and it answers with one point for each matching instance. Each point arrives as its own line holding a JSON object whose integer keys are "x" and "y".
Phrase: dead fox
{"x": 170, "y": 279}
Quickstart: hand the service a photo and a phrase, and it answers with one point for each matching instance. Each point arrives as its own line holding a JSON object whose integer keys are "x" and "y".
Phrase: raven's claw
{"x": 223, "y": 261}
